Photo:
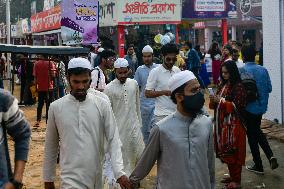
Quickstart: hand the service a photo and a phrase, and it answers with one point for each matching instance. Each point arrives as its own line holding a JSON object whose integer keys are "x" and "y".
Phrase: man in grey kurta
{"x": 182, "y": 143}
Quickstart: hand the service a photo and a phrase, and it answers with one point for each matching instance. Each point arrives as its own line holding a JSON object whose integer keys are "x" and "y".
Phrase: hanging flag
{"x": 79, "y": 22}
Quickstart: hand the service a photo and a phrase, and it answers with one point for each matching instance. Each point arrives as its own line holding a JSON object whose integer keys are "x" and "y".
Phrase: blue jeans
{"x": 147, "y": 114}
{"x": 61, "y": 91}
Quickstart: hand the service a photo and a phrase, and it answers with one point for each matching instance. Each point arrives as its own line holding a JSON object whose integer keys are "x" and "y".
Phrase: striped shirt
{"x": 17, "y": 127}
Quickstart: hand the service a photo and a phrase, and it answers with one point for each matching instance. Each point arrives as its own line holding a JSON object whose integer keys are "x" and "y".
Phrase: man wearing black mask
{"x": 182, "y": 143}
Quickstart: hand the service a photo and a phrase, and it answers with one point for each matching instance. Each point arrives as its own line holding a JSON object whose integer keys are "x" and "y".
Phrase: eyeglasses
{"x": 168, "y": 59}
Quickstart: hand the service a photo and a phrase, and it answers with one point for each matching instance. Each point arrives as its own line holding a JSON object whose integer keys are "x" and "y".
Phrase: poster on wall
{"x": 48, "y": 4}
{"x": 13, "y": 30}
{"x": 245, "y": 6}
{"x": 256, "y": 3}
{"x": 26, "y": 27}
{"x": 108, "y": 12}
{"x": 208, "y": 9}
{"x": 145, "y": 11}
{"x": 79, "y": 23}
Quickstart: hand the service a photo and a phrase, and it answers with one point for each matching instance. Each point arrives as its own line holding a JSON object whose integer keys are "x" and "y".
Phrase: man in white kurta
{"x": 84, "y": 123}
{"x": 124, "y": 97}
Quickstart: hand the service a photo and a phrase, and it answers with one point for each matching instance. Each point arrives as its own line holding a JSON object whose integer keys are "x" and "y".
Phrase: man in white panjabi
{"x": 84, "y": 123}
{"x": 124, "y": 97}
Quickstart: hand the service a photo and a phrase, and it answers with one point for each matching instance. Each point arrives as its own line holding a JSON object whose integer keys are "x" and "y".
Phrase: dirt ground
{"x": 33, "y": 173}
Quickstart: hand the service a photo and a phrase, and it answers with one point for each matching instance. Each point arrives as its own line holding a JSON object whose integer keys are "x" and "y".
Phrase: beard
{"x": 169, "y": 65}
{"x": 79, "y": 95}
{"x": 122, "y": 81}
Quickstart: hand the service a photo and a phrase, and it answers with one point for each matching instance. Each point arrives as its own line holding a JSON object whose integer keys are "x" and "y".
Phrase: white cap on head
{"x": 165, "y": 39}
{"x": 147, "y": 49}
{"x": 79, "y": 63}
{"x": 178, "y": 79}
{"x": 101, "y": 49}
{"x": 121, "y": 63}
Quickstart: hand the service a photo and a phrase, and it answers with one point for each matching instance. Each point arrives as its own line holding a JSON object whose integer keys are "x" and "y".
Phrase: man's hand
{"x": 167, "y": 93}
{"x": 49, "y": 185}
{"x": 124, "y": 182}
{"x": 9, "y": 186}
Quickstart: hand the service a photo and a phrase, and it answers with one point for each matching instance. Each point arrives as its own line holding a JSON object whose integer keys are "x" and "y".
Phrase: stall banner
{"x": 209, "y": 9}
{"x": 149, "y": 12}
{"x": 108, "y": 13}
{"x": 79, "y": 23}
{"x": 46, "y": 20}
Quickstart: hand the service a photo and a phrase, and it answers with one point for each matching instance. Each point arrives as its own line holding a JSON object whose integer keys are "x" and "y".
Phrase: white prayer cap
{"x": 101, "y": 49}
{"x": 121, "y": 63}
{"x": 147, "y": 49}
{"x": 79, "y": 63}
{"x": 179, "y": 79}
{"x": 165, "y": 39}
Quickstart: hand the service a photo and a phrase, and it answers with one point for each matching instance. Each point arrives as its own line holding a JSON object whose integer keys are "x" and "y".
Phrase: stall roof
{"x": 49, "y": 50}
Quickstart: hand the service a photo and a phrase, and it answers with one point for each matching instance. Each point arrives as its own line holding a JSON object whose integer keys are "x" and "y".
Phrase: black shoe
{"x": 255, "y": 169}
{"x": 273, "y": 163}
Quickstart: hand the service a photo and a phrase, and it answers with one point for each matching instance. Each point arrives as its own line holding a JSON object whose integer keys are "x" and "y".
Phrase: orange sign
{"x": 46, "y": 20}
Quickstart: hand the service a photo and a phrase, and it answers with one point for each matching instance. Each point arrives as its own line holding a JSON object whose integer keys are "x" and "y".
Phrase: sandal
{"x": 232, "y": 185}
{"x": 226, "y": 180}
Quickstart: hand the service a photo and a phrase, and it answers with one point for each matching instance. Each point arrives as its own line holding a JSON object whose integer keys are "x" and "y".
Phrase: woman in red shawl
{"x": 230, "y": 133}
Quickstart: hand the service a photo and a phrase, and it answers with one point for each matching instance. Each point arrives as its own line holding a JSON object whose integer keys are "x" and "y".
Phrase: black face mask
{"x": 193, "y": 103}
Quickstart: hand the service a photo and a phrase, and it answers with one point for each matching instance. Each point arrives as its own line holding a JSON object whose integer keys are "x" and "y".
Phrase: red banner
{"x": 46, "y": 20}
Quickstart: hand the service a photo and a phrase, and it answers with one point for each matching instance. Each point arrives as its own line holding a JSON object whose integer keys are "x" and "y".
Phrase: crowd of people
{"x": 119, "y": 118}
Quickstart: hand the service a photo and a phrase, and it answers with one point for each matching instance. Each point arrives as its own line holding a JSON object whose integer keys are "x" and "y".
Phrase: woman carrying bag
{"x": 230, "y": 133}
